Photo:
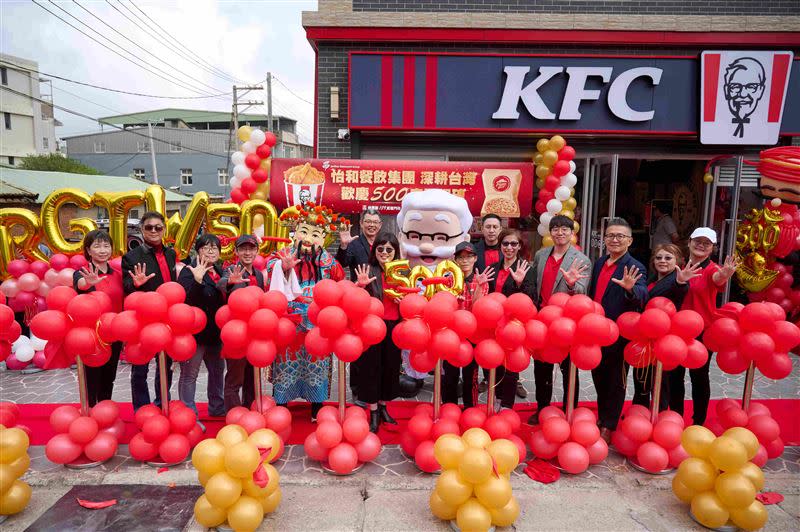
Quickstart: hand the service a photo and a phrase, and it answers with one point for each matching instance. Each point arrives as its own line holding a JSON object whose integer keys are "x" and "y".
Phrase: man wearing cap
{"x": 239, "y": 373}
{"x": 702, "y": 298}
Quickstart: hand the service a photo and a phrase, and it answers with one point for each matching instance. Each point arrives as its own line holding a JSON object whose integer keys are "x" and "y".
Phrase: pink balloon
{"x": 29, "y": 282}
{"x": 43, "y": 289}
{"x": 39, "y": 359}
{"x": 677, "y": 455}
{"x": 59, "y": 261}
{"x": 22, "y": 301}
{"x": 598, "y": 451}
{"x": 18, "y": 267}
{"x": 65, "y": 277}
{"x": 39, "y": 268}
{"x": 77, "y": 262}
{"x": 15, "y": 365}
{"x": 10, "y": 288}
{"x": 51, "y": 277}
{"x": 116, "y": 263}
{"x": 573, "y": 457}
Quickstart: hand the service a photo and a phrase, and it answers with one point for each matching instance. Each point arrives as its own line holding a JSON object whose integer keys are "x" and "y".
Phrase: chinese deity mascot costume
{"x": 431, "y": 224}
{"x": 294, "y": 271}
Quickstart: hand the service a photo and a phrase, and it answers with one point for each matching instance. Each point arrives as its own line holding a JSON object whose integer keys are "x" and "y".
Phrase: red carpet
{"x": 36, "y": 417}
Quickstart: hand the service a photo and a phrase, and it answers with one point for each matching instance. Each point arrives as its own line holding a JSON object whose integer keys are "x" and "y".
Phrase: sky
{"x": 242, "y": 39}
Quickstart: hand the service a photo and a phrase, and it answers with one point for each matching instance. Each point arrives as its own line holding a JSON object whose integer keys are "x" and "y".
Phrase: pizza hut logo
{"x": 501, "y": 183}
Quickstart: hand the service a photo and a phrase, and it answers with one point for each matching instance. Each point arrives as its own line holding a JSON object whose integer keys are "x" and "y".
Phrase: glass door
{"x": 598, "y": 202}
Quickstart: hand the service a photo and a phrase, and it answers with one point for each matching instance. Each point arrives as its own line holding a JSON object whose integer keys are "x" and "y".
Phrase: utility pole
{"x": 152, "y": 152}
{"x": 269, "y": 100}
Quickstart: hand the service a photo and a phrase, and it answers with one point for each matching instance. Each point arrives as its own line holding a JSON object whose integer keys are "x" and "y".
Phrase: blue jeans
{"x": 139, "y": 391}
{"x": 215, "y": 365}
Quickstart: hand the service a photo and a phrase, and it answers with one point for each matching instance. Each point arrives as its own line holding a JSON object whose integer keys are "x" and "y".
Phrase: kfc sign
{"x": 743, "y": 96}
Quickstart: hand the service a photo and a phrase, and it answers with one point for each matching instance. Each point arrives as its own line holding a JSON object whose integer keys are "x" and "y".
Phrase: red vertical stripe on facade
{"x": 710, "y": 87}
{"x": 780, "y": 69}
{"x": 408, "y": 91}
{"x": 386, "y": 90}
{"x": 431, "y": 83}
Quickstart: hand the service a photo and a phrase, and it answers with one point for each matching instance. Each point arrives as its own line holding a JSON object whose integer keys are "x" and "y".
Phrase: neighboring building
{"x": 192, "y": 147}
{"x": 28, "y": 126}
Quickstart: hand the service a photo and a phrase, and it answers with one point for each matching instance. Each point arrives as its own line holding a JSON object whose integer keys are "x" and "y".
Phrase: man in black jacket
{"x": 354, "y": 250}
{"x": 144, "y": 269}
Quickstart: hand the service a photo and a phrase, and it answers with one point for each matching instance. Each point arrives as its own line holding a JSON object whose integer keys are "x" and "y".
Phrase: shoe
{"x": 216, "y": 414}
{"x": 522, "y": 393}
{"x": 534, "y": 419}
{"x": 483, "y": 386}
{"x": 315, "y": 408}
{"x": 374, "y": 421}
{"x": 605, "y": 433}
{"x": 385, "y": 417}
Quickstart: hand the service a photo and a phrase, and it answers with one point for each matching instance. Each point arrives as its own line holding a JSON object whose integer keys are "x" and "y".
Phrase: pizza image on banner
{"x": 742, "y": 96}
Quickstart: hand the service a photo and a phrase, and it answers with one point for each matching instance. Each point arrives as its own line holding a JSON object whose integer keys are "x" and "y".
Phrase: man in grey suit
{"x": 557, "y": 269}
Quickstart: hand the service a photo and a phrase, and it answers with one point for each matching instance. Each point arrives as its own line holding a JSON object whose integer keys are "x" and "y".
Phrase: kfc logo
{"x": 752, "y": 87}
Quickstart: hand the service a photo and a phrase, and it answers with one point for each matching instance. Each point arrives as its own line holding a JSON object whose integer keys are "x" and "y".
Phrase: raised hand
{"x": 362, "y": 275}
{"x": 687, "y": 273}
{"x": 484, "y": 277}
{"x": 237, "y": 274}
{"x": 345, "y": 238}
{"x": 518, "y": 274}
{"x": 288, "y": 259}
{"x": 575, "y": 273}
{"x": 728, "y": 267}
{"x": 629, "y": 278}
{"x": 138, "y": 275}
{"x": 90, "y": 275}
{"x": 200, "y": 269}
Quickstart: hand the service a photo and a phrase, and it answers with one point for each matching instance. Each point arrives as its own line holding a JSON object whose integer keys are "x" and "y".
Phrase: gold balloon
{"x": 506, "y": 515}
{"x": 472, "y": 515}
{"x": 223, "y": 489}
{"x": 250, "y": 209}
{"x": 573, "y": 240}
{"x": 547, "y": 241}
{"x": 230, "y": 435}
{"x": 216, "y": 225}
{"x": 475, "y": 466}
{"x": 542, "y": 171}
{"x": 202, "y": 478}
{"x": 258, "y": 219}
{"x": 25, "y": 242}
{"x": 681, "y": 491}
{"x": 542, "y": 145}
{"x": 441, "y": 509}
{"x": 746, "y": 438}
{"x": 15, "y": 499}
{"x": 246, "y": 514}
{"x": 270, "y": 503}
{"x": 50, "y": 220}
{"x": 576, "y": 227}
{"x": 188, "y": 228}
{"x": 537, "y": 159}
{"x": 557, "y": 142}
{"x": 209, "y": 457}
{"x": 566, "y": 212}
{"x": 118, "y": 205}
{"x": 396, "y": 275}
{"x": 259, "y": 196}
{"x": 448, "y": 268}
{"x": 754, "y": 474}
{"x": 20, "y": 465}
{"x": 249, "y": 487}
{"x": 13, "y": 444}
{"x": 243, "y": 133}
{"x": 448, "y": 450}
{"x": 476, "y": 437}
{"x": 751, "y": 518}
{"x": 539, "y": 183}
{"x": 696, "y": 440}
{"x": 7, "y": 477}
{"x": 709, "y": 510}
{"x": 550, "y": 157}
{"x": 697, "y": 474}
{"x": 727, "y": 454}
{"x": 155, "y": 199}
{"x": 266, "y": 165}
{"x": 505, "y": 455}
{"x": 266, "y": 439}
{"x": 495, "y": 492}
{"x": 207, "y": 514}
{"x": 453, "y": 489}
{"x": 570, "y": 204}
{"x": 419, "y": 274}
{"x": 242, "y": 459}
{"x": 735, "y": 490}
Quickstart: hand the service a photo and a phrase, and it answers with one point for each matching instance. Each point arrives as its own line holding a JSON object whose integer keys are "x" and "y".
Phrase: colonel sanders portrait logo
{"x": 744, "y": 87}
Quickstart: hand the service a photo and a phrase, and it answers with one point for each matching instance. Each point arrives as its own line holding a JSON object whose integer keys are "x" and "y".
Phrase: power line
{"x": 129, "y": 159}
{"x": 85, "y": 100}
{"x": 291, "y": 91}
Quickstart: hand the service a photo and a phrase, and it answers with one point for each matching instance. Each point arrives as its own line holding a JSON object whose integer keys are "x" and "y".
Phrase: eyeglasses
{"x": 561, "y": 229}
{"x": 507, "y": 244}
{"x": 157, "y": 228}
{"x": 371, "y": 222}
{"x": 439, "y": 238}
{"x": 617, "y": 236}
{"x": 702, "y": 243}
{"x": 658, "y": 258}
{"x": 384, "y": 249}
{"x": 209, "y": 248}
{"x": 736, "y": 88}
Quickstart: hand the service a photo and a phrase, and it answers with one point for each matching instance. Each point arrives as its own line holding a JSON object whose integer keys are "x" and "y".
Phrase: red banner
{"x": 352, "y": 185}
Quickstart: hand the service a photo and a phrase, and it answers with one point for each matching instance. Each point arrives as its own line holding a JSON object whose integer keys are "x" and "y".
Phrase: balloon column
{"x": 556, "y": 180}
{"x": 240, "y": 484}
{"x": 342, "y": 446}
{"x": 575, "y": 443}
{"x": 83, "y": 439}
{"x": 30, "y": 282}
{"x": 651, "y": 445}
{"x": 251, "y": 169}
{"x": 14, "y": 461}
{"x": 719, "y": 479}
{"x": 474, "y": 488}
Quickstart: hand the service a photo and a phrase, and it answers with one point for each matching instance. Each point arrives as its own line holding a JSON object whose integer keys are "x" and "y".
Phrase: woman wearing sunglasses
{"x": 514, "y": 275}
{"x": 378, "y": 369}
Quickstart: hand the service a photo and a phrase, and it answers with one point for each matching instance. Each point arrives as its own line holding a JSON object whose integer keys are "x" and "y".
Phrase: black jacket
{"x": 668, "y": 287}
{"x": 226, "y": 288}
{"x": 146, "y": 255}
{"x": 616, "y": 299}
{"x": 480, "y": 249}
{"x": 509, "y": 287}
{"x": 356, "y": 254}
{"x": 207, "y": 298}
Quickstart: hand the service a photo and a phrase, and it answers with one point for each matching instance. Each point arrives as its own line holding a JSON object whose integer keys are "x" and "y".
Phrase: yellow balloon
{"x": 570, "y": 204}
{"x": 214, "y": 223}
{"x": 7, "y": 477}
{"x": 681, "y": 491}
{"x": 185, "y": 231}
{"x": 254, "y": 490}
{"x": 576, "y": 227}
{"x": 253, "y": 207}
{"x": 453, "y": 489}
{"x": 547, "y": 241}
{"x": 709, "y": 510}
{"x": 49, "y": 215}
{"x": 550, "y": 157}
{"x": 20, "y": 465}
{"x": 475, "y": 466}
{"x": 542, "y": 171}
{"x": 246, "y": 514}
{"x": 537, "y": 159}
{"x": 746, "y": 438}
{"x": 472, "y": 515}
{"x": 13, "y": 444}
{"x": 266, "y": 439}
{"x": 223, "y": 489}
{"x": 543, "y": 145}
{"x": 506, "y": 515}
{"x": 697, "y": 474}
{"x": 243, "y": 133}
{"x": 441, "y": 509}
{"x": 539, "y": 183}
{"x": 202, "y": 478}
{"x": 727, "y": 454}
{"x": 448, "y": 450}
{"x": 155, "y": 199}
{"x": 266, "y": 165}
{"x": 476, "y": 437}
{"x": 242, "y": 459}
{"x": 495, "y": 492}
{"x": 20, "y": 232}
{"x": 397, "y": 272}
{"x": 209, "y": 457}
{"x": 207, "y": 514}
{"x": 752, "y": 517}
{"x": 696, "y": 440}
{"x": 505, "y": 455}
{"x": 15, "y": 499}
{"x": 231, "y": 435}
{"x": 568, "y": 213}
{"x": 118, "y": 205}
{"x": 735, "y": 490}
{"x": 754, "y": 474}
{"x": 557, "y": 142}
{"x": 259, "y": 196}
{"x": 271, "y": 502}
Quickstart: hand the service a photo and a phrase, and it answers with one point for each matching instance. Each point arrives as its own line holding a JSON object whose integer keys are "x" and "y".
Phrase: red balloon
{"x": 464, "y": 355}
{"x": 497, "y": 427}
{"x": 222, "y": 316}
{"x": 567, "y": 153}
{"x": 317, "y": 345}
{"x": 733, "y": 417}
{"x": 155, "y": 337}
{"x": 372, "y": 330}
{"x": 667, "y": 434}
{"x": 174, "y": 449}
{"x": 490, "y": 311}
{"x": 422, "y": 361}
{"x": 628, "y": 323}
{"x": 327, "y": 293}
{"x": 488, "y": 353}
{"x": 79, "y": 341}
{"x": 83, "y": 430}
{"x": 672, "y": 417}
{"x": 786, "y": 336}
{"x": 464, "y": 323}
{"x": 182, "y": 420}
{"x": 49, "y": 325}
{"x": 677, "y": 455}
{"x": 511, "y": 335}
{"x": 512, "y": 418}
{"x": 234, "y": 333}
{"x": 551, "y": 411}
{"x": 252, "y": 161}
{"x": 156, "y": 429}
{"x": 450, "y": 411}
{"x": 652, "y": 457}
{"x": 151, "y": 307}
{"x": 444, "y": 426}
{"x": 542, "y": 447}
{"x": 574, "y": 458}
{"x": 637, "y": 428}
{"x": 355, "y": 429}
{"x": 757, "y": 409}
{"x": 687, "y": 324}
{"x": 369, "y": 448}
{"x": 765, "y": 428}
{"x": 358, "y": 303}
{"x": 144, "y": 413}
{"x": 101, "y": 448}
{"x": 561, "y": 332}
{"x": 519, "y": 306}
{"x": 416, "y": 335}
{"x": 263, "y": 151}
{"x": 420, "y": 426}
{"x": 761, "y": 457}
{"x": 261, "y": 353}
{"x": 173, "y": 292}
{"x": 348, "y": 347}
{"x": 343, "y": 458}
{"x": 329, "y": 433}
{"x": 696, "y": 354}
{"x": 757, "y": 317}
{"x": 235, "y": 414}
{"x": 180, "y": 318}
{"x": 286, "y": 333}
{"x": 59, "y": 297}
{"x": 117, "y": 429}
{"x": 594, "y": 329}
{"x": 722, "y": 334}
{"x": 83, "y": 310}
{"x": 755, "y": 345}
{"x": 259, "y": 175}
{"x": 774, "y": 448}
{"x": 314, "y": 449}
{"x": 445, "y": 343}
{"x": 62, "y": 450}
{"x": 472, "y": 417}
{"x": 584, "y": 432}
{"x": 730, "y": 361}
{"x": 412, "y": 306}
{"x": 671, "y": 350}
{"x": 332, "y": 322}
{"x": 662, "y": 303}
{"x": 423, "y": 456}
{"x": 623, "y": 444}
{"x": 278, "y": 418}
{"x": 244, "y": 302}
{"x": 556, "y": 429}
{"x": 559, "y": 299}
{"x": 517, "y": 360}
{"x": 578, "y": 306}
{"x": 586, "y": 357}
{"x": 637, "y": 355}
{"x": 62, "y": 417}
{"x": 182, "y": 348}
{"x": 125, "y": 327}
{"x": 582, "y": 414}
{"x": 535, "y": 335}
{"x": 654, "y": 323}
{"x": 778, "y": 366}
{"x": 598, "y": 451}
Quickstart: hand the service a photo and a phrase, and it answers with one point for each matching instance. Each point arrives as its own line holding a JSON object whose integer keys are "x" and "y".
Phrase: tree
{"x": 54, "y": 162}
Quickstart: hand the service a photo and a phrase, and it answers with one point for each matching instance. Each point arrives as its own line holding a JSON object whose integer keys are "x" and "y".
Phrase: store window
{"x": 11, "y": 160}
{"x": 138, "y": 173}
{"x": 186, "y": 176}
{"x": 7, "y": 120}
{"x": 99, "y": 147}
{"x": 175, "y": 147}
{"x": 222, "y": 177}
{"x": 4, "y": 75}
{"x": 45, "y": 143}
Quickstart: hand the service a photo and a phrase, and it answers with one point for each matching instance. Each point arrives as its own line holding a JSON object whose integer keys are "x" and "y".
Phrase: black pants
{"x": 609, "y": 379}
{"x": 469, "y": 390}
{"x": 701, "y": 390}
{"x": 100, "y": 381}
{"x": 139, "y": 391}
{"x": 378, "y": 372}
{"x": 506, "y": 387}
{"x": 643, "y": 387}
{"x": 239, "y": 376}
{"x": 543, "y": 380}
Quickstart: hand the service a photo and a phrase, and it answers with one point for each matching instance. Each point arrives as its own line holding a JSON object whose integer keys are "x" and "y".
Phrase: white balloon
{"x": 20, "y": 342}
{"x": 257, "y": 137}
{"x": 249, "y": 147}
{"x": 554, "y": 206}
{"x": 572, "y": 167}
{"x": 569, "y": 180}
{"x": 235, "y": 182}
{"x": 562, "y": 193}
{"x": 237, "y": 157}
{"x": 37, "y": 343}
{"x": 24, "y": 353}
{"x": 544, "y": 219}
{"x": 542, "y": 229}
{"x": 241, "y": 171}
